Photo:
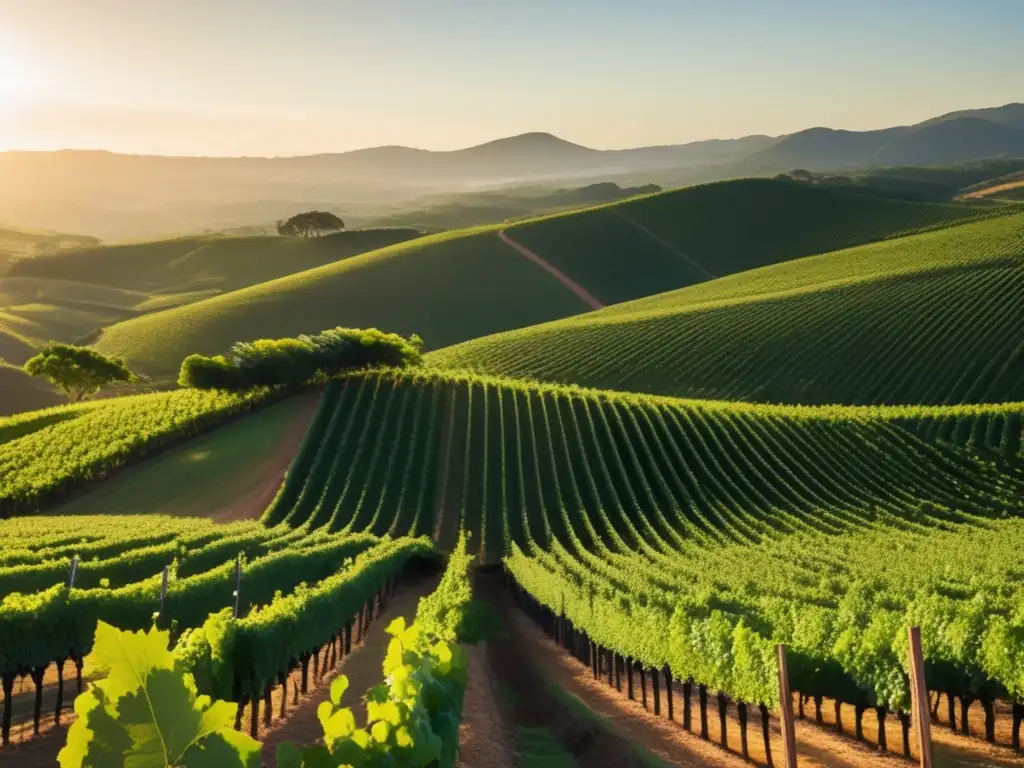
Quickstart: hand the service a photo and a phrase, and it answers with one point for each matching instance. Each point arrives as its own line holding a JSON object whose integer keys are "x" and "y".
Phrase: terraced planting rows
{"x": 686, "y": 236}
{"x": 720, "y": 528}
{"x": 421, "y": 452}
{"x": 936, "y": 318}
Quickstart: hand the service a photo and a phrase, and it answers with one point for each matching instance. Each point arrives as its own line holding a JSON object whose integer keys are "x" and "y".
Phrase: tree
{"x": 310, "y": 224}
{"x": 77, "y": 371}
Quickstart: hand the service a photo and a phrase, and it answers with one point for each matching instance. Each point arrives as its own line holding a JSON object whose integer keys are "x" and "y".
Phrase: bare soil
{"x": 817, "y": 745}
{"x": 485, "y": 740}
{"x": 989, "y": 191}
{"x": 268, "y": 475}
{"x": 363, "y": 667}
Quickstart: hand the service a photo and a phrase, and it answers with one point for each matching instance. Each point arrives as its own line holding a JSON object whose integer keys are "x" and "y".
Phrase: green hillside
{"x": 447, "y": 288}
{"x": 936, "y": 318}
{"x": 209, "y": 263}
{"x": 429, "y": 452}
{"x": 20, "y": 392}
{"x": 71, "y": 295}
{"x": 655, "y": 243}
{"x": 635, "y": 248}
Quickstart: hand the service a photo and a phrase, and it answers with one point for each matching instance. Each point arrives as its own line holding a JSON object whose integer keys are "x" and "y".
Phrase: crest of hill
{"x": 957, "y": 137}
{"x": 461, "y": 285}
{"x": 71, "y": 295}
{"x": 1011, "y": 115}
{"x": 654, "y": 243}
{"x": 934, "y": 318}
{"x": 214, "y": 263}
{"x": 447, "y": 288}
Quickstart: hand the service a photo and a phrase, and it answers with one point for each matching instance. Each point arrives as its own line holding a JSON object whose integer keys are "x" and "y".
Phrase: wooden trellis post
{"x": 919, "y": 699}
{"x": 238, "y": 586}
{"x": 786, "y": 712}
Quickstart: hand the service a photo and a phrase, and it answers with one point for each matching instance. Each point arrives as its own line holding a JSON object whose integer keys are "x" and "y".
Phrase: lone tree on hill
{"x": 77, "y": 371}
{"x": 310, "y": 224}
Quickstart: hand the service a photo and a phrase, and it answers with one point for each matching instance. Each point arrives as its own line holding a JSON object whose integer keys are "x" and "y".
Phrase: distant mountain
{"x": 1010, "y": 115}
{"x": 951, "y": 141}
{"x": 117, "y": 196}
{"x": 956, "y": 137}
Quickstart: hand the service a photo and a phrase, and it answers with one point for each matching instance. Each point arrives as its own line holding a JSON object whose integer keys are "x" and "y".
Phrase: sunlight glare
{"x": 15, "y": 77}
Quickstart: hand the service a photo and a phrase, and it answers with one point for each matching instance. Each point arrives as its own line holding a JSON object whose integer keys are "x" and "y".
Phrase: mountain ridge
{"x": 118, "y": 196}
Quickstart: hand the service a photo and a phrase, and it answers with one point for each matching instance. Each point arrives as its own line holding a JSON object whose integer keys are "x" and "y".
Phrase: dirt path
{"x": 484, "y": 738}
{"x": 268, "y": 476}
{"x": 548, "y": 728}
{"x": 989, "y": 191}
{"x": 662, "y": 241}
{"x": 949, "y": 749}
{"x": 363, "y": 668}
{"x": 558, "y": 274}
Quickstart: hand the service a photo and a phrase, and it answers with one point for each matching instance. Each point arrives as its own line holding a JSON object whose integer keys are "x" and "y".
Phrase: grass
{"x": 46, "y": 465}
{"x": 583, "y": 713}
{"x": 20, "y": 392}
{"x": 462, "y": 285}
{"x": 539, "y": 748}
{"x": 447, "y": 288}
{"x": 71, "y": 295}
{"x": 934, "y": 318}
{"x": 204, "y": 263}
{"x": 659, "y": 242}
{"x": 204, "y": 474}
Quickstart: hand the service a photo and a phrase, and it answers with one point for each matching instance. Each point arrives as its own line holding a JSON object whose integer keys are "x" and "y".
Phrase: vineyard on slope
{"x": 691, "y": 235}
{"x": 937, "y": 318}
{"x": 523, "y": 462}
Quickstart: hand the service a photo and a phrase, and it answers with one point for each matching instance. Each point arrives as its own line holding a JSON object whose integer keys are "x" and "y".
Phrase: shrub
{"x": 202, "y": 372}
{"x": 288, "y": 361}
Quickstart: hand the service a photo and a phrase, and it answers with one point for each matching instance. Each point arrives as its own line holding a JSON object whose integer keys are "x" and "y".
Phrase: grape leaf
{"x": 144, "y": 712}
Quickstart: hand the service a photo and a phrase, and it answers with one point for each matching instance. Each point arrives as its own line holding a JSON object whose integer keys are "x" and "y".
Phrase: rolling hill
{"x": 20, "y": 392}
{"x": 934, "y": 318}
{"x": 208, "y": 263}
{"x": 447, "y": 288}
{"x": 70, "y": 295}
{"x": 654, "y": 243}
{"x": 474, "y": 209}
{"x": 618, "y": 252}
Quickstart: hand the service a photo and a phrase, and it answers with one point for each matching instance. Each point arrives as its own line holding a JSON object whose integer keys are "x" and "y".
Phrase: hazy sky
{"x": 285, "y": 77}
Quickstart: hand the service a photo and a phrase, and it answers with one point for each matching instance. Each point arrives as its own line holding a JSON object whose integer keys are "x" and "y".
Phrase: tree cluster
{"x": 77, "y": 371}
{"x": 289, "y": 361}
{"x": 310, "y": 224}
